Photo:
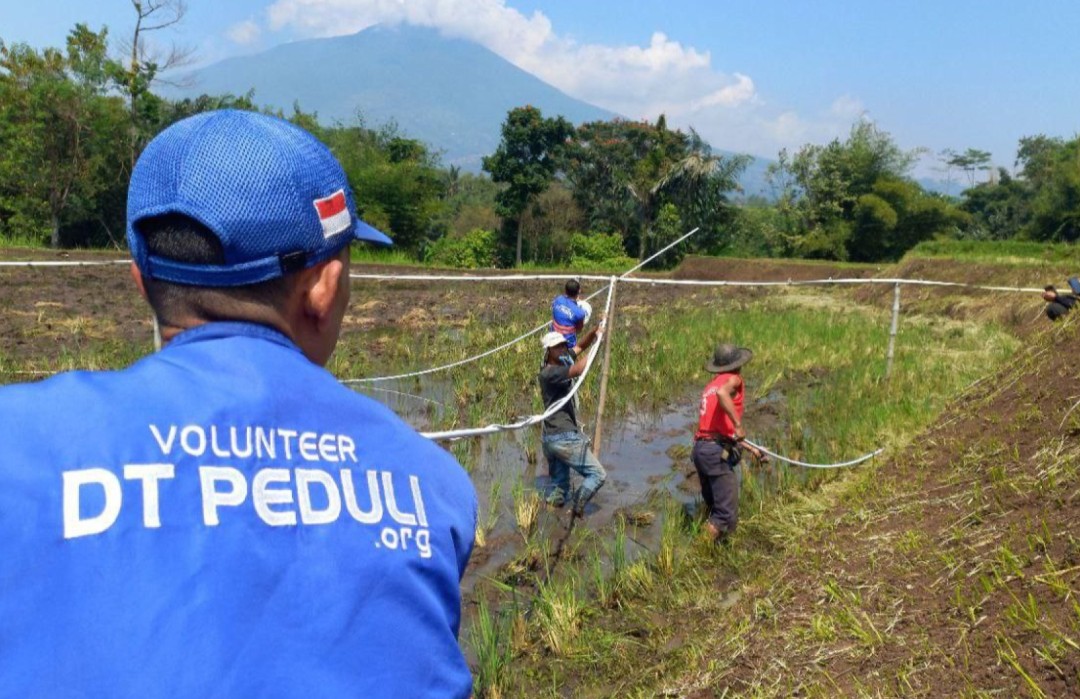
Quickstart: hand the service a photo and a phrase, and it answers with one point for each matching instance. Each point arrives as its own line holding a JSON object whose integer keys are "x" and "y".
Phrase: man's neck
{"x": 171, "y": 331}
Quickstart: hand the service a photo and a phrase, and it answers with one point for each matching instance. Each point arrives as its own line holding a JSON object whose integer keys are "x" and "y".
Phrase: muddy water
{"x": 644, "y": 454}
{"x": 420, "y": 405}
{"x": 639, "y": 452}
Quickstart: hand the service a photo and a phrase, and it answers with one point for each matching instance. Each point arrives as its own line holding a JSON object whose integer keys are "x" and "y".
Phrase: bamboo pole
{"x": 892, "y": 330}
{"x": 157, "y": 333}
{"x": 610, "y": 330}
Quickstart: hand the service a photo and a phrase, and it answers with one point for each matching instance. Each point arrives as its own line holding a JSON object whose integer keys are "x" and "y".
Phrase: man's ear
{"x": 137, "y": 277}
{"x": 322, "y": 285}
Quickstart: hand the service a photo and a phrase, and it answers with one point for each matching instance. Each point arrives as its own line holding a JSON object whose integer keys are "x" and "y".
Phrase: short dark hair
{"x": 572, "y": 288}
{"x": 1050, "y": 287}
{"x": 183, "y": 239}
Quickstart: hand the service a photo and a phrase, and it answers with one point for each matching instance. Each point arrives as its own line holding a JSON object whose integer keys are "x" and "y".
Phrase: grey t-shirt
{"x": 555, "y": 383}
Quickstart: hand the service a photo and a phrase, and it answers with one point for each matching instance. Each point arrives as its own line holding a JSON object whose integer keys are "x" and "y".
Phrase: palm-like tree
{"x": 698, "y": 178}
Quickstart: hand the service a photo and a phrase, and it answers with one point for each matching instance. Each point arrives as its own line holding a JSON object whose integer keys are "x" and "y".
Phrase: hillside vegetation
{"x": 1065, "y": 256}
{"x": 953, "y": 567}
{"x": 953, "y": 563}
{"x": 566, "y": 184}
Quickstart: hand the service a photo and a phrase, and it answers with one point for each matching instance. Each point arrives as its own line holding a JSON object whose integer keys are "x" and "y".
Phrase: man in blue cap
{"x": 224, "y": 518}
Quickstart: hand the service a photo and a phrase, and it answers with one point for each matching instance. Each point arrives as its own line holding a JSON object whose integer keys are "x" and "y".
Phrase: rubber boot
{"x": 581, "y": 498}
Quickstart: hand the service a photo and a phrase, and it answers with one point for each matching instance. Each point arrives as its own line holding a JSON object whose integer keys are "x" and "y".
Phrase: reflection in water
{"x": 643, "y": 453}
{"x": 419, "y": 404}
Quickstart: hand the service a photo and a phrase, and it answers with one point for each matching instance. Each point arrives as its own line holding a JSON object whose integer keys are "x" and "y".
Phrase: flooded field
{"x": 538, "y": 576}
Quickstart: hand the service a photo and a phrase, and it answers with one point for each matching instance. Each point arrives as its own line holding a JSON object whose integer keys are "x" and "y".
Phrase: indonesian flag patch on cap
{"x": 333, "y": 213}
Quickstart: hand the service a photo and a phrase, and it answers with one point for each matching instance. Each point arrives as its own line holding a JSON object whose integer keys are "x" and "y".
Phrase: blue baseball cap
{"x": 272, "y": 193}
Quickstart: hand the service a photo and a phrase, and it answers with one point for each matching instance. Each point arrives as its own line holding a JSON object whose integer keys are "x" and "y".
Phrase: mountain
{"x": 753, "y": 181}
{"x": 939, "y": 186}
{"x": 450, "y": 93}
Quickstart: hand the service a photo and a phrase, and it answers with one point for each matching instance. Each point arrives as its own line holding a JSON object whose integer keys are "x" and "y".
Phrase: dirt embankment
{"x": 952, "y": 570}
{"x": 46, "y": 309}
{"x": 742, "y": 270}
{"x": 1021, "y": 312}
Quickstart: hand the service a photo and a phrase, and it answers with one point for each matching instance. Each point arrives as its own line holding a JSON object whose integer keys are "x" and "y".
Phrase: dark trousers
{"x": 1055, "y": 310}
{"x": 718, "y": 470}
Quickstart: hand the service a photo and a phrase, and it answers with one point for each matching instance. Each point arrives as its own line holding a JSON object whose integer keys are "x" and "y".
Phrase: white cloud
{"x": 638, "y": 81}
{"x": 848, "y": 107}
{"x": 244, "y": 33}
{"x": 634, "y": 80}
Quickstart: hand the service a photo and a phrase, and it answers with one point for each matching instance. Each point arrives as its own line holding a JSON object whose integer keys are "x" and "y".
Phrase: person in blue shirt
{"x": 224, "y": 518}
{"x": 568, "y": 314}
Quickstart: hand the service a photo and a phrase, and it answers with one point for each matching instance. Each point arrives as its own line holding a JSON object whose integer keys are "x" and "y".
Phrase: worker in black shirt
{"x": 1057, "y": 304}
{"x": 563, "y": 443}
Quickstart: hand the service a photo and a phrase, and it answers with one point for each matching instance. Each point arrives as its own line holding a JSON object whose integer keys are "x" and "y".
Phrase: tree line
{"x": 73, "y": 120}
{"x": 854, "y": 199}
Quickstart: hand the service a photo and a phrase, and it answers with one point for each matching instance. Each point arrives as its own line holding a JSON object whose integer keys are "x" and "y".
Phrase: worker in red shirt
{"x": 718, "y": 443}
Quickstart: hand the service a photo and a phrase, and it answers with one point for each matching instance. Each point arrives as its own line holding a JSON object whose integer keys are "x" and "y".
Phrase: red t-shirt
{"x": 712, "y": 419}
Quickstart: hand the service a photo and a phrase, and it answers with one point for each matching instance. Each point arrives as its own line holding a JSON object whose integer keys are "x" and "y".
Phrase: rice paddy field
{"x": 948, "y": 564}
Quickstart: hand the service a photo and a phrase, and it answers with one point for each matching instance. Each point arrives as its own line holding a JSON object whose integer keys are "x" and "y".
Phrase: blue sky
{"x": 750, "y": 76}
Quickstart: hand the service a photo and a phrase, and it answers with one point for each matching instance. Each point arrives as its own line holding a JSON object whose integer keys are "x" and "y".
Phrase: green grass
{"x": 999, "y": 251}
{"x": 820, "y": 361}
{"x": 73, "y": 353}
{"x": 24, "y": 242}
{"x": 379, "y": 255}
{"x": 1007, "y": 574}
{"x": 790, "y": 261}
{"x": 609, "y": 604}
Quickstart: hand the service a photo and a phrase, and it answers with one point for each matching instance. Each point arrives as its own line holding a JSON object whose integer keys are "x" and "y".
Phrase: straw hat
{"x": 728, "y": 357}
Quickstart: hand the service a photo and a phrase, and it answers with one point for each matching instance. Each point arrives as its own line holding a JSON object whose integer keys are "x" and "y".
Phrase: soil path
{"x": 953, "y": 569}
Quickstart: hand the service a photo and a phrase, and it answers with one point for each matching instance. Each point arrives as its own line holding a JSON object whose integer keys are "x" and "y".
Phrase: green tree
{"x": 598, "y": 250}
{"x": 624, "y": 172}
{"x": 999, "y": 209}
{"x": 470, "y": 203}
{"x": 759, "y": 228}
{"x": 826, "y": 185}
{"x": 477, "y": 248}
{"x": 525, "y": 162}
{"x": 598, "y": 164}
{"x": 697, "y": 186}
{"x": 396, "y": 181}
{"x": 970, "y": 161}
{"x": 1041, "y": 203}
{"x": 549, "y": 221}
{"x": 174, "y": 111}
{"x": 143, "y": 67}
{"x": 1055, "y": 206}
{"x": 896, "y": 216}
{"x": 58, "y": 132}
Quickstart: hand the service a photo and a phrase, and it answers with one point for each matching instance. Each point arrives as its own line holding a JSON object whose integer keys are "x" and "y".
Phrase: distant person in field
{"x": 224, "y": 518}
{"x": 565, "y": 447}
{"x": 569, "y": 314}
{"x": 718, "y": 442}
{"x": 1057, "y": 304}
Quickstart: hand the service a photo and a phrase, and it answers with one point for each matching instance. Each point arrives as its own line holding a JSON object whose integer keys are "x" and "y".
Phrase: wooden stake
{"x": 892, "y": 330}
{"x": 608, "y": 332}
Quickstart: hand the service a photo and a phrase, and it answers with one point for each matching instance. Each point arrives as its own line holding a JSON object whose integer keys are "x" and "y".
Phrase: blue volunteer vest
{"x": 565, "y": 316}
{"x": 224, "y": 519}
